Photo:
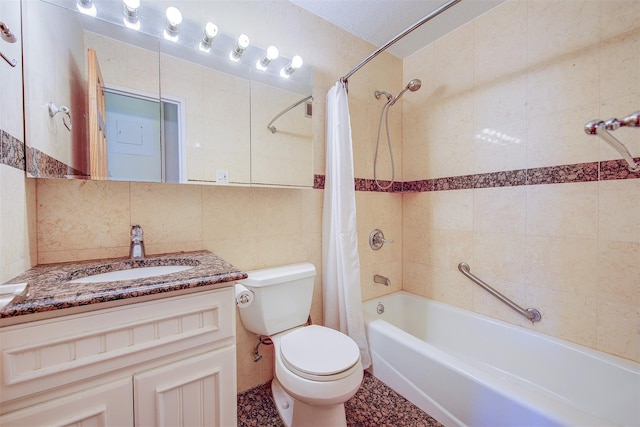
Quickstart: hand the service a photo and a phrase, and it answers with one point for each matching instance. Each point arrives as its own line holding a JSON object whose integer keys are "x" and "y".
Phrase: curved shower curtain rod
{"x": 281, "y": 113}
{"x": 426, "y": 18}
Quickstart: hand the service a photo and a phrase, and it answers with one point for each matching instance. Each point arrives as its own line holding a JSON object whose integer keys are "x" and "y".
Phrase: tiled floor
{"x": 374, "y": 405}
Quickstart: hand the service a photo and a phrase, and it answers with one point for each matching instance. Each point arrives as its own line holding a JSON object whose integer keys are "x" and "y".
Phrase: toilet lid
{"x": 318, "y": 351}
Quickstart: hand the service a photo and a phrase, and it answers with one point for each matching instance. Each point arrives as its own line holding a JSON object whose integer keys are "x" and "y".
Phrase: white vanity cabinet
{"x": 165, "y": 362}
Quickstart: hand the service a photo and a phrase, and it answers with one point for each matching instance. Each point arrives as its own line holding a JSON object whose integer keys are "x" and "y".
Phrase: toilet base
{"x": 295, "y": 413}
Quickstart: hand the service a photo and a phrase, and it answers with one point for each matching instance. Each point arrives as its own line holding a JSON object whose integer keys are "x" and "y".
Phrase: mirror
{"x": 170, "y": 112}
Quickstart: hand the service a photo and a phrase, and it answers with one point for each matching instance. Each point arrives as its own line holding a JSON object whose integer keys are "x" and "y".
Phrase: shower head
{"x": 413, "y": 86}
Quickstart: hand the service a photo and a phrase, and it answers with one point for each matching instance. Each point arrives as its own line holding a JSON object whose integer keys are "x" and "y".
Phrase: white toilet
{"x": 317, "y": 369}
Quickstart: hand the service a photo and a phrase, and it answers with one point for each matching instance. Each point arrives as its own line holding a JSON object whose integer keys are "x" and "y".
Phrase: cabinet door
{"x": 198, "y": 391}
{"x": 106, "y": 405}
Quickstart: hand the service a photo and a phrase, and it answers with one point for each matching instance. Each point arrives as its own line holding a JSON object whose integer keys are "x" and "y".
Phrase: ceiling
{"x": 379, "y": 21}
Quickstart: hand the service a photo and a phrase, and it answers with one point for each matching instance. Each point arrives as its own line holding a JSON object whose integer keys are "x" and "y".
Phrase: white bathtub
{"x": 463, "y": 368}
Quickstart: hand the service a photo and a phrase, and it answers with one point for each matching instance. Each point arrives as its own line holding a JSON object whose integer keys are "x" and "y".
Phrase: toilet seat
{"x": 318, "y": 353}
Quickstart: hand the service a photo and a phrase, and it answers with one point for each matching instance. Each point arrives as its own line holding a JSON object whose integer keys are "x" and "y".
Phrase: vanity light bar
{"x": 130, "y": 14}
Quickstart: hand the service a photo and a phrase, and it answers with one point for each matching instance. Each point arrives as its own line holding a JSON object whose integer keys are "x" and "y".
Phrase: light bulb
{"x": 87, "y": 7}
{"x": 174, "y": 18}
{"x": 210, "y": 33}
{"x": 130, "y": 11}
{"x": 271, "y": 54}
{"x": 131, "y": 7}
{"x": 243, "y": 41}
{"x": 296, "y": 62}
{"x": 241, "y": 45}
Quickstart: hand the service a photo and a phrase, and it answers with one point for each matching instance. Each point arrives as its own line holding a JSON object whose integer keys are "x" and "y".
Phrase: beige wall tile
{"x": 619, "y": 272}
{"x": 563, "y": 263}
{"x": 619, "y": 329}
{"x": 500, "y": 210}
{"x": 617, "y": 202}
{"x": 557, "y": 28}
{"x": 170, "y": 214}
{"x": 563, "y": 82}
{"x": 563, "y": 210}
{"x": 566, "y": 315}
{"x": 453, "y": 210}
{"x": 500, "y": 147}
{"x": 619, "y": 65}
{"x": 75, "y": 215}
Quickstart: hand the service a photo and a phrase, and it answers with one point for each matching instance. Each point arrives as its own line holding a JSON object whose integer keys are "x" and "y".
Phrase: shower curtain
{"x": 340, "y": 259}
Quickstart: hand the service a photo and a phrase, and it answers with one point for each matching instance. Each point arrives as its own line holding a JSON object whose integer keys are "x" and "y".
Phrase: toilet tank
{"x": 281, "y": 298}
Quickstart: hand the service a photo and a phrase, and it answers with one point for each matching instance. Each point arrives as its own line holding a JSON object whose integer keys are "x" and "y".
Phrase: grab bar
{"x": 530, "y": 313}
{"x": 602, "y": 128}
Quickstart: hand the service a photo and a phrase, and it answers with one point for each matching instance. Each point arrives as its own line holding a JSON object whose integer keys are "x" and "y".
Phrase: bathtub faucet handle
{"x": 376, "y": 239}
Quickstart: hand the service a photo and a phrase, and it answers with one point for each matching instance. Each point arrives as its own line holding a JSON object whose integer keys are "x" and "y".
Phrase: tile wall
{"x": 536, "y": 209}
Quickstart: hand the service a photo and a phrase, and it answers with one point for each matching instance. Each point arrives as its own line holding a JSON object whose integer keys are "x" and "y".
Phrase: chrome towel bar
{"x": 530, "y": 313}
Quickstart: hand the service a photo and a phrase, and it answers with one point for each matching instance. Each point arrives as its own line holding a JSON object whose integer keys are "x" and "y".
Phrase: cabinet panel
{"x": 106, "y": 405}
{"x": 199, "y": 391}
{"x": 51, "y": 353}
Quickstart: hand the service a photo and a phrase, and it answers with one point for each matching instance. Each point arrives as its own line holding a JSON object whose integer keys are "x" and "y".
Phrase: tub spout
{"x": 382, "y": 280}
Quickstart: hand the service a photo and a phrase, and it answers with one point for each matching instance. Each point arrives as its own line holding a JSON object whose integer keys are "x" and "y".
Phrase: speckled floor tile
{"x": 374, "y": 405}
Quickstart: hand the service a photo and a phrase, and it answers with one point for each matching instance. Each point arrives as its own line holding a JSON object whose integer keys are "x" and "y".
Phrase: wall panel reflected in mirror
{"x": 170, "y": 112}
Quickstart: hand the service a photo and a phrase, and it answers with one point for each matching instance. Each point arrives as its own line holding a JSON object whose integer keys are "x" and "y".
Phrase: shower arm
{"x": 426, "y": 18}
{"x": 281, "y": 113}
{"x": 601, "y": 128}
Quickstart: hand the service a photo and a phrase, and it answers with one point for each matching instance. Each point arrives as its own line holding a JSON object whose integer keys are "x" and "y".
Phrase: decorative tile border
{"x": 582, "y": 172}
{"x": 11, "y": 151}
{"x": 564, "y": 174}
{"x": 41, "y": 165}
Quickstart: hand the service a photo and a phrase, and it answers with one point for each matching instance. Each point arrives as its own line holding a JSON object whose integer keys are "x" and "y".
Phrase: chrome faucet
{"x": 136, "y": 251}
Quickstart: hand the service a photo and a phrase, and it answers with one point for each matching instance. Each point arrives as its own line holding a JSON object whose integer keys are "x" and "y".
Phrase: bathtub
{"x": 465, "y": 369}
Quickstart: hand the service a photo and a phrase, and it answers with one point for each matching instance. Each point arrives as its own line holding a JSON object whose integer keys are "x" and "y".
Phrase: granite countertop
{"x": 49, "y": 289}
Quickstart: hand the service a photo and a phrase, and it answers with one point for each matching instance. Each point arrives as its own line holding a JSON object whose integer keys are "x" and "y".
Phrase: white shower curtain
{"x": 340, "y": 259}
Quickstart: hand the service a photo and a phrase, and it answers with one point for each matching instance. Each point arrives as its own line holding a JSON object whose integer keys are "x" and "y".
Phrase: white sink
{"x": 132, "y": 274}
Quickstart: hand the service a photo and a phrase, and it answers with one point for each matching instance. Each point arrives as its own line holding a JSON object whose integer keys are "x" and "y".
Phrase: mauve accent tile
{"x": 41, "y": 165}
{"x": 463, "y": 182}
{"x": 581, "y": 172}
{"x": 11, "y": 151}
{"x": 360, "y": 184}
{"x": 617, "y": 169}
{"x": 372, "y": 186}
{"x": 420, "y": 186}
{"x": 500, "y": 179}
{"x": 318, "y": 182}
